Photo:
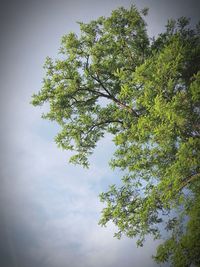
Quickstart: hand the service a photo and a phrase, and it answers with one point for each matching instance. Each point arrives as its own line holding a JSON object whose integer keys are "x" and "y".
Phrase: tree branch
{"x": 101, "y": 123}
{"x": 108, "y": 94}
{"x": 187, "y": 180}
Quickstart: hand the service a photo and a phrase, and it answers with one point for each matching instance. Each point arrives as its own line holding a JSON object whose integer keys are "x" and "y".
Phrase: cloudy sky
{"x": 49, "y": 210}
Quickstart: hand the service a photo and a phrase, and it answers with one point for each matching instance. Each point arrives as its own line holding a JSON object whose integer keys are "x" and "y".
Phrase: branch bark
{"x": 108, "y": 94}
{"x": 188, "y": 179}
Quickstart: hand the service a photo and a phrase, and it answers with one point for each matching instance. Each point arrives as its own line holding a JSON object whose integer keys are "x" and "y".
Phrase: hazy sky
{"x": 49, "y": 210}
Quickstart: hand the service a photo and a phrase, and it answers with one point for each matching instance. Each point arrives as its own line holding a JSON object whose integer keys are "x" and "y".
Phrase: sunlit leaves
{"x": 111, "y": 78}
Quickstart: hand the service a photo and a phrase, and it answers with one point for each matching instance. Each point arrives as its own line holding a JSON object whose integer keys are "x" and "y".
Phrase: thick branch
{"x": 188, "y": 179}
{"x": 117, "y": 101}
{"x": 108, "y": 94}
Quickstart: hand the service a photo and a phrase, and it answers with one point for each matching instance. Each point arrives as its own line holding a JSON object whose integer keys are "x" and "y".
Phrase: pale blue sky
{"x": 49, "y": 210}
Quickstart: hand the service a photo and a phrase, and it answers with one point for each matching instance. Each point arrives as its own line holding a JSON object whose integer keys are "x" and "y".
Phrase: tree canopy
{"x": 113, "y": 78}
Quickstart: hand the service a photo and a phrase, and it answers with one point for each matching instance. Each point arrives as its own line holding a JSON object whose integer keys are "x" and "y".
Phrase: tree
{"x": 114, "y": 79}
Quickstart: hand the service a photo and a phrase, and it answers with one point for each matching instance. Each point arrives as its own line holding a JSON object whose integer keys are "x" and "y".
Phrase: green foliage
{"x": 113, "y": 79}
{"x": 183, "y": 247}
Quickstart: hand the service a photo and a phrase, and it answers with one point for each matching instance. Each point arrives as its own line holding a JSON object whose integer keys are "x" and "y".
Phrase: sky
{"x": 49, "y": 209}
